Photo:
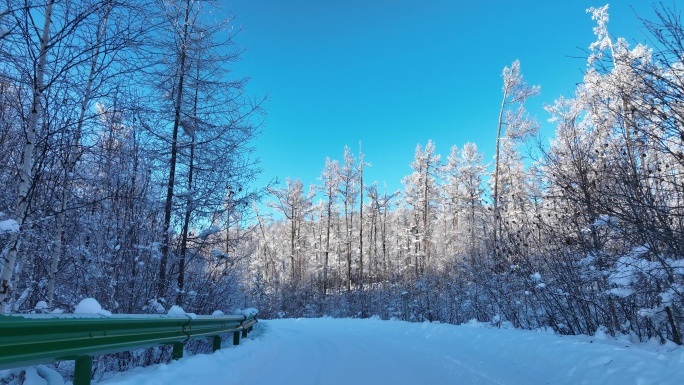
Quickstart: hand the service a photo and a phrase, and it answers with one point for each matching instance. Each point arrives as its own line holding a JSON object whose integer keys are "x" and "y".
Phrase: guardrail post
{"x": 83, "y": 370}
{"x": 217, "y": 343}
{"x": 404, "y": 297}
{"x": 177, "y": 351}
{"x": 236, "y": 338}
{"x": 244, "y": 333}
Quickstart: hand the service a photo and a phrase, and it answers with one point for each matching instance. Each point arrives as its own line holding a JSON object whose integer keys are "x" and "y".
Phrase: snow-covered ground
{"x": 354, "y": 351}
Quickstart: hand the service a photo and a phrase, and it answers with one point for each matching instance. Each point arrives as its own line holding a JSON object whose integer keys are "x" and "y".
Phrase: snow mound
{"x": 178, "y": 311}
{"x": 91, "y": 306}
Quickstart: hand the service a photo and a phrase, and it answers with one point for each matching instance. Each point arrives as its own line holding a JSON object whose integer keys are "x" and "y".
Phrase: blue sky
{"x": 393, "y": 74}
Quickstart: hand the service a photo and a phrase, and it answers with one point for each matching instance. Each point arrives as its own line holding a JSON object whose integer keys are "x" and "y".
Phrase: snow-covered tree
{"x": 514, "y": 125}
{"x": 421, "y": 195}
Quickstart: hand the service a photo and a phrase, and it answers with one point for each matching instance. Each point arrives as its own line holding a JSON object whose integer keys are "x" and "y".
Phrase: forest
{"x": 128, "y": 176}
{"x": 585, "y": 238}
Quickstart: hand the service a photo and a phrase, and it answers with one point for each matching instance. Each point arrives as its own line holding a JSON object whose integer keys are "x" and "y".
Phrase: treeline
{"x": 588, "y": 237}
{"x": 125, "y": 155}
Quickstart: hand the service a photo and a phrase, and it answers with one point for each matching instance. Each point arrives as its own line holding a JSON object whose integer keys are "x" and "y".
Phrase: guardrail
{"x": 44, "y": 338}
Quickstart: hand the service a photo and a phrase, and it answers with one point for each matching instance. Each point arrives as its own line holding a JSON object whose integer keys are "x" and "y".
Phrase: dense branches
{"x": 101, "y": 103}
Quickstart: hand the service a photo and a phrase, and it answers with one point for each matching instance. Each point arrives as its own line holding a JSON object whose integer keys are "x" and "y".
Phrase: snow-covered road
{"x": 351, "y": 351}
{"x": 357, "y": 353}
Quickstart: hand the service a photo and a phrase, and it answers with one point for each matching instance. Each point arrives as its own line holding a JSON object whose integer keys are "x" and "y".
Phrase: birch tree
{"x": 37, "y": 87}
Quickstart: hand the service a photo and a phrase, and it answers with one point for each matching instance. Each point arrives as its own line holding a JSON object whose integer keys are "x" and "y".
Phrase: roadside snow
{"x": 370, "y": 351}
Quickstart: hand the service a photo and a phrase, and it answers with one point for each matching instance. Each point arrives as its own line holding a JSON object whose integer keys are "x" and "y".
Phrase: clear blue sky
{"x": 395, "y": 73}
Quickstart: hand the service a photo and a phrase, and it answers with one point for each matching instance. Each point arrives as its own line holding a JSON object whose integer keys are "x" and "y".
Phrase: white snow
{"x": 605, "y": 221}
{"x": 91, "y": 306}
{"x": 178, "y": 311}
{"x": 621, "y": 292}
{"x": 353, "y": 351}
{"x": 210, "y": 231}
{"x": 40, "y": 306}
{"x": 249, "y": 312}
{"x": 155, "y": 306}
{"x": 536, "y": 277}
{"x": 9, "y": 226}
{"x": 33, "y": 375}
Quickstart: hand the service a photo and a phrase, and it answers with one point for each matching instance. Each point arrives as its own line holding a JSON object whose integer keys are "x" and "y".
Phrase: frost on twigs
{"x": 603, "y": 41}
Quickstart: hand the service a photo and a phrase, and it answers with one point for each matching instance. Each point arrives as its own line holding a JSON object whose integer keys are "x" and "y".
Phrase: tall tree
{"x": 464, "y": 176}
{"x": 421, "y": 193}
{"x": 179, "y": 20}
{"x": 515, "y": 124}
{"x": 361, "y": 164}
{"x": 329, "y": 177}
{"x": 347, "y": 189}
{"x": 294, "y": 205}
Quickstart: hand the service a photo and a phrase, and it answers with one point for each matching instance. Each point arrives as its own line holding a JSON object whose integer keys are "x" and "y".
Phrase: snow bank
{"x": 32, "y": 375}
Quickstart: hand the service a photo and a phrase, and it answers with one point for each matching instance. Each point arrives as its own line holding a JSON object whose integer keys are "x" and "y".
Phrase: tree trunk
{"x": 497, "y": 218}
{"x": 360, "y": 217}
{"x": 348, "y": 231}
{"x": 26, "y": 177}
{"x": 426, "y": 207}
{"x": 327, "y": 244}
{"x": 184, "y": 236}
{"x": 165, "y": 250}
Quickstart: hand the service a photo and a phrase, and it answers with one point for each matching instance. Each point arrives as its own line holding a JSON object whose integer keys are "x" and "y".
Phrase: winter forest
{"x": 586, "y": 236}
{"x": 123, "y": 133}
{"x": 127, "y": 174}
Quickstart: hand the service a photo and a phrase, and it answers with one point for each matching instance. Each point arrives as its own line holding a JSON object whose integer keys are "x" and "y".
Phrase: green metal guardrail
{"x": 38, "y": 339}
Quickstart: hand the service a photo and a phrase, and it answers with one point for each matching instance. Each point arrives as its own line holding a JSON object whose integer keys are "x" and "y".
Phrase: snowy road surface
{"x": 357, "y": 352}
